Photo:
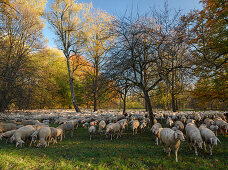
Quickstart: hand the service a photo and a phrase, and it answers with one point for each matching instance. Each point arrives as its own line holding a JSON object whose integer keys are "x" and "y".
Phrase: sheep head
{"x": 179, "y": 135}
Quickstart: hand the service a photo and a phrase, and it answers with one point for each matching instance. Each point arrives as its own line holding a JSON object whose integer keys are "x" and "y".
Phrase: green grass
{"x": 128, "y": 152}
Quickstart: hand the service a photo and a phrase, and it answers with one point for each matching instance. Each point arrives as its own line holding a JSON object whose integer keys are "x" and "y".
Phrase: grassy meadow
{"x": 128, "y": 152}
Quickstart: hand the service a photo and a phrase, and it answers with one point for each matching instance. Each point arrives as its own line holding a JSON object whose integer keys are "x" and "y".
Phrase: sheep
{"x": 170, "y": 138}
{"x": 22, "y": 134}
{"x": 102, "y": 125}
{"x": 59, "y": 134}
{"x": 4, "y": 127}
{"x": 134, "y": 126}
{"x": 214, "y": 128}
{"x": 193, "y": 136}
{"x": 44, "y": 136}
{"x": 208, "y": 138}
{"x": 85, "y": 125}
{"x": 155, "y": 130}
{"x": 7, "y": 135}
{"x": 29, "y": 122}
{"x": 183, "y": 119}
{"x": 109, "y": 130}
{"x": 190, "y": 121}
{"x": 92, "y": 131}
{"x": 68, "y": 126}
{"x": 142, "y": 125}
{"x": 54, "y": 134}
{"x": 169, "y": 122}
{"x": 34, "y": 137}
{"x": 223, "y": 126}
{"x": 179, "y": 125}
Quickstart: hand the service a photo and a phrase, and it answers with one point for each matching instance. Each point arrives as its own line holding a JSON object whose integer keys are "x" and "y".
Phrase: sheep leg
{"x": 176, "y": 154}
{"x": 211, "y": 148}
{"x": 90, "y": 136}
{"x": 72, "y": 132}
{"x": 196, "y": 150}
{"x": 205, "y": 147}
{"x": 111, "y": 136}
{"x": 156, "y": 140}
{"x": 61, "y": 137}
{"x": 169, "y": 150}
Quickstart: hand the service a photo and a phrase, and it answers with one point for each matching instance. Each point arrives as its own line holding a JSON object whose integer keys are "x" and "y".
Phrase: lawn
{"x": 128, "y": 152}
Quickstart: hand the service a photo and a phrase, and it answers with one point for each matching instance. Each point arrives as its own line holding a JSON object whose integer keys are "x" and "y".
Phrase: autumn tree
{"x": 97, "y": 28}
{"x": 65, "y": 17}
{"x": 20, "y": 35}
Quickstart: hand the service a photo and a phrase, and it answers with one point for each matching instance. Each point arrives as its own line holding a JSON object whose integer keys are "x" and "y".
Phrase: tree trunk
{"x": 72, "y": 87}
{"x": 149, "y": 106}
{"x": 124, "y": 101}
{"x": 95, "y": 85}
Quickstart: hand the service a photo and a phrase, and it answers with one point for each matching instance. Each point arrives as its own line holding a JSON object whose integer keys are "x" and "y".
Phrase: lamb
{"x": 44, "y": 136}
{"x": 179, "y": 125}
{"x": 7, "y": 135}
{"x": 208, "y": 138}
{"x": 170, "y": 138}
{"x": 134, "y": 126}
{"x": 193, "y": 136}
{"x": 54, "y": 134}
{"x": 155, "y": 130}
{"x": 102, "y": 125}
{"x": 183, "y": 119}
{"x": 123, "y": 123}
{"x": 92, "y": 131}
{"x": 22, "y": 134}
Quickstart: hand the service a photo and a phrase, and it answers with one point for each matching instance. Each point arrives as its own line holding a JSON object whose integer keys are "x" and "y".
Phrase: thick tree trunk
{"x": 95, "y": 86}
{"x": 72, "y": 87}
{"x": 149, "y": 106}
{"x": 173, "y": 102}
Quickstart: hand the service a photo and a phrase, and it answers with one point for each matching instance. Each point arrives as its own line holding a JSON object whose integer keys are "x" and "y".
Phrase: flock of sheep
{"x": 197, "y": 127}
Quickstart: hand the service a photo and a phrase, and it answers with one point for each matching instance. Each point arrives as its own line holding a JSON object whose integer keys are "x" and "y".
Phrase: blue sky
{"x": 119, "y": 7}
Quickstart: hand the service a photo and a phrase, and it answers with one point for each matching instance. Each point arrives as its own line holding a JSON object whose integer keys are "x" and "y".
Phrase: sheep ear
{"x": 211, "y": 140}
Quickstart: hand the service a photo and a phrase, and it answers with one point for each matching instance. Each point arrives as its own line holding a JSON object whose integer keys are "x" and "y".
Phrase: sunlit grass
{"x": 128, "y": 152}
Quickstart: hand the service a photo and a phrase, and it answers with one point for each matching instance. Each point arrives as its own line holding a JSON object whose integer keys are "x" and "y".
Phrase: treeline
{"x": 164, "y": 60}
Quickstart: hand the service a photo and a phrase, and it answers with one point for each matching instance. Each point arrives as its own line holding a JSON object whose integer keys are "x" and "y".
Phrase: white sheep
{"x": 194, "y": 137}
{"x": 22, "y": 134}
{"x": 134, "y": 126}
{"x": 179, "y": 125}
{"x": 44, "y": 136}
{"x": 214, "y": 128}
{"x": 102, "y": 125}
{"x": 208, "y": 138}
{"x": 92, "y": 131}
{"x": 171, "y": 139}
{"x": 155, "y": 130}
{"x": 223, "y": 126}
{"x": 7, "y": 135}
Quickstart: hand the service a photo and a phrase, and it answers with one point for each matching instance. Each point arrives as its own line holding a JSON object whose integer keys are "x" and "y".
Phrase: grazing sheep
{"x": 183, "y": 119}
{"x": 34, "y": 137}
{"x": 214, "y": 128}
{"x": 155, "y": 130}
{"x": 22, "y": 134}
{"x": 44, "y": 136}
{"x": 59, "y": 134}
{"x": 7, "y": 135}
{"x": 54, "y": 134}
{"x": 102, "y": 125}
{"x": 171, "y": 139}
{"x": 68, "y": 126}
{"x": 179, "y": 125}
{"x": 4, "y": 127}
{"x": 223, "y": 126}
{"x": 109, "y": 130}
{"x": 92, "y": 131}
{"x": 208, "y": 138}
{"x": 194, "y": 137}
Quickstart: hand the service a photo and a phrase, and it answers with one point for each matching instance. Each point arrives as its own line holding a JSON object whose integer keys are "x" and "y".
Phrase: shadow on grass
{"x": 128, "y": 152}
